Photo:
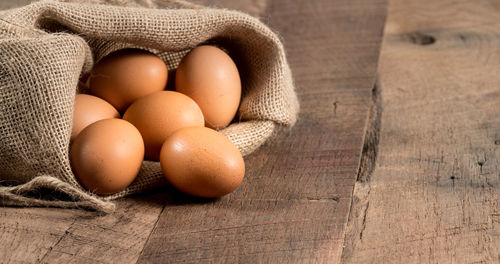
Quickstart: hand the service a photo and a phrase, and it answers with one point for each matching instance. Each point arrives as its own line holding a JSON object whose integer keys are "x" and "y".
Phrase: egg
{"x": 210, "y": 77}
{"x": 202, "y": 162}
{"x": 89, "y": 109}
{"x": 160, "y": 114}
{"x": 126, "y": 75}
{"x": 107, "y": 155}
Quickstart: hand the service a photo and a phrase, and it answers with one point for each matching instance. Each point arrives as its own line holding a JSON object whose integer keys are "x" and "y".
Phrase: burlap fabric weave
{"x": 46, "y": 48}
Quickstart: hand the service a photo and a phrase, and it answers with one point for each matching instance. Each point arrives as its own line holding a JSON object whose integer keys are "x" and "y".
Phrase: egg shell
{"x": 202, "y": 162}
{"x": 89, "y": 109}
{"x": 160, "y": 114}
{"x": 107, "y": 155}
{"x": 210, "y": 77}
{"x": 127, "y": 75}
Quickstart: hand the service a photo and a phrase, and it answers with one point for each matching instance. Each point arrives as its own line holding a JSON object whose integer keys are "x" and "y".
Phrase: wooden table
{"x": 402, "y": 170}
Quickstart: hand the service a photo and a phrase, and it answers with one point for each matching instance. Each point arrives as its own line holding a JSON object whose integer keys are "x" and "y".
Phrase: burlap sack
{"x": 46, "y": 48}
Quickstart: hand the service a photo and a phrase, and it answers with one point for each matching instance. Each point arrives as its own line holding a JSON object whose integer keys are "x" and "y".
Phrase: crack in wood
{"x": 481, "y": 163}
{"x": 150, "y": 233}
{"x": 67, "y": 232}
{"x": 363, "y": 223}
{"x": 358, "y": 211}
{"x": 453, "y": 178}
{"x": 371, "y": 139}
{"x": 335, "y": 105}
{"x": 327, "y": 199}
{"x": 421, "y": 38}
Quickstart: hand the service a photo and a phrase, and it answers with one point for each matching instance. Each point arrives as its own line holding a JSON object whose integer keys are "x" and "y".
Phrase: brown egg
{"x": 160, "y": 114}
{"x": 209, "y": 76}
{"x": 202, "y": 162}
{"x": 89, "y": 109}
{"x": 126, "y": 75}
{"x": 107, "y": 155}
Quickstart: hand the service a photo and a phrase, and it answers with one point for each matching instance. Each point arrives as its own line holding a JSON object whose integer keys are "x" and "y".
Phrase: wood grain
{"x": 253, "y": 7}
{"x": 8, "y": 4}
{"x": 294, "y": 202}
{"x": 53, "y": 235}
{"x": 434, "y": 194}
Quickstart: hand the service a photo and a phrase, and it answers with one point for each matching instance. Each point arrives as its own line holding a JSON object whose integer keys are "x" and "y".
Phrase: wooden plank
{"x": 252, "y": 7}
{"x": 53, "y": 235}
{"x": 13, "y": 3}
{"x": 26, "y": 235}
{"x": 434, "y": 194}
{"x": 294, "y": 202}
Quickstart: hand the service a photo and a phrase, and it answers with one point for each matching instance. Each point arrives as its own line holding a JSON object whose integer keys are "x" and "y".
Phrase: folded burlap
{"x": 47, "y": 47}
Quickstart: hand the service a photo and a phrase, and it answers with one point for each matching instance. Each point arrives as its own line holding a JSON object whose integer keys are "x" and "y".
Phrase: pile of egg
{"x": 129, "y": 116}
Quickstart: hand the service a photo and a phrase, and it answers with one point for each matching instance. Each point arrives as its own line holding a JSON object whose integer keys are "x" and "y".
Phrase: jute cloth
{"x": 48, "y": 47}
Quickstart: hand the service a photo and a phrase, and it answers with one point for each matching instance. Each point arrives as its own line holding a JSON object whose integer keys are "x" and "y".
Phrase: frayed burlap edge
{"x": 16, "y": 195}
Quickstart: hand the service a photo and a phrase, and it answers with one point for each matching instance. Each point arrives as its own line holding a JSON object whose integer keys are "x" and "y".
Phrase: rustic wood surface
{"x": 295, "y": 200}
{"x": 13, "y": 3}
{"x": 433, "y": 196}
